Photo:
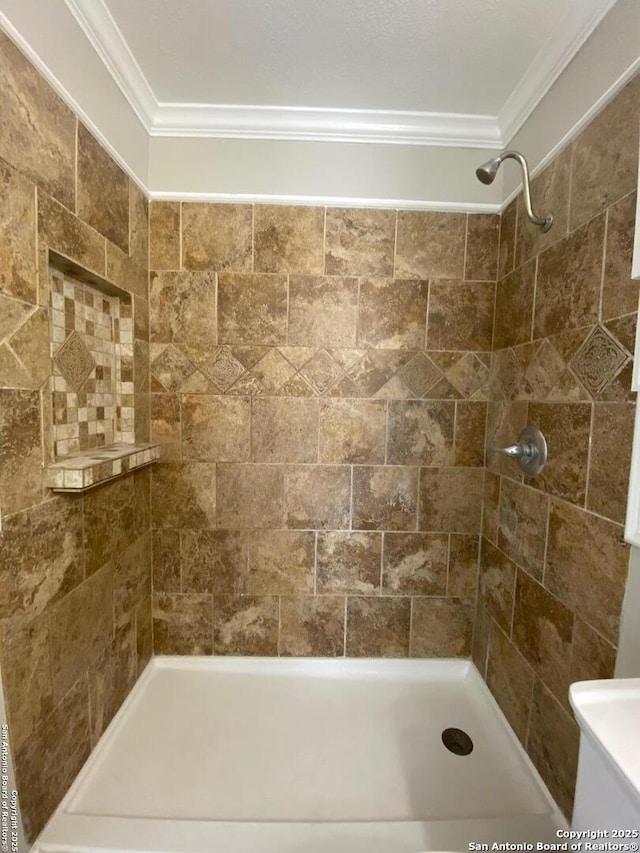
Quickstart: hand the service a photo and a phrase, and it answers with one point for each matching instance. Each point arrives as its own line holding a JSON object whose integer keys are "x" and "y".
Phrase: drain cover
{"x": 457, "y": 741}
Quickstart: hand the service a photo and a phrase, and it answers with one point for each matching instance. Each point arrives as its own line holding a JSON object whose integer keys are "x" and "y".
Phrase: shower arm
{"x": 544, "y": 222}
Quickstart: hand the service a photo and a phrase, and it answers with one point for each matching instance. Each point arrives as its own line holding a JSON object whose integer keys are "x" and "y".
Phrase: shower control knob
{"x": 530, "y": 451}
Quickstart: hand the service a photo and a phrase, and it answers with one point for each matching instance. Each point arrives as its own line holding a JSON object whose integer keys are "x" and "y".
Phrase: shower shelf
{"x": 80, "y": 471}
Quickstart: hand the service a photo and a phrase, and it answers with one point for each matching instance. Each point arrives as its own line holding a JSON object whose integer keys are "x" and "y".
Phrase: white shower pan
{"x": 240, "y": 755}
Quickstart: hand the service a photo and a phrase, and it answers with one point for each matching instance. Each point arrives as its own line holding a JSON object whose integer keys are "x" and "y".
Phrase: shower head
{"x": 487, "y": 172}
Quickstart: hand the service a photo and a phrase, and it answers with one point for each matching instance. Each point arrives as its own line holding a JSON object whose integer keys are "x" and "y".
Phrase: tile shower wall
{"x": 319, "y": 386}
{"x": 75, "y": 585}
{"x": 554, "y": 563}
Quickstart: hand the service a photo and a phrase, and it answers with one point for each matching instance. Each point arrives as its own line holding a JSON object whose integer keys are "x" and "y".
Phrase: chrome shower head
{"x": 487, "y": 172}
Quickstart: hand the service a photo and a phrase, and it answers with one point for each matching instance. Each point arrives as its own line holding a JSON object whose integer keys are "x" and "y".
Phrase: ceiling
{"x": 452, "y": 72}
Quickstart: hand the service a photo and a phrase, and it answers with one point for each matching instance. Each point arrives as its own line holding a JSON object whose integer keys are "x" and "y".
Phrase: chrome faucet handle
{"x": 530, "y": 451}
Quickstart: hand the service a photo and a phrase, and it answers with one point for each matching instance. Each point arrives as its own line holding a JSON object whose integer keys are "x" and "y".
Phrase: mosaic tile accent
{"x": 90, "y": 467}
{"x": 92, "y": 367}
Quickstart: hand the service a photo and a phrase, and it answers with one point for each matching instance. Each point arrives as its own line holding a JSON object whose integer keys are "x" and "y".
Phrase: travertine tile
{"x": 378, "y": 627}
{"x": 372, "y": 372}
{"x": 216, "y": 429}
{"x": 184, "y": 495}
{"x": 165, "y": 425}
{"x": 164, "y": 235}
{"x": 605, "y": 162}
{"x": 392, "y": 313}
{"x": 430, "y": 245}
{"x": 566, "y": 429}
{"x": 49, "y": 761}
{"x": 312, "y": 626}
{"x": 415, "y": 564}
{"x": 317, "y": 496}
{"x": 138, "y": 225}
{"x": 245, "y": 625}
{"x": 20, "y": 450}
{"x": 359, "y": 241}
{"x": 217, "y": 236}
{"x": 250, "y": 496}
{"x": 284, "y": 429}
{"x": 568, "y": 281}
{"x": 131, "y": 580}
{"x": 108, "y": 521}
{"x": 166, "y": 560}
{"x": 464, "y": 552}
{"x": 611, "y": 441}
{"x": 552, "y": 745}
{"x": 460, "y": 315}
{"x": 491, "y": 507}
{"x": 619, "y": 290}
{"x": 497, "y": 584}
{"x": 214, "y": 561}
{"x": 441, "y": 627}
{"x": 384, "y": 498}
{"x": 252, "y": 309}
{"x": 281, "y": 562}
{"x": 507, "y": 251}
{"x": 420, "y": 374}
{"x": 480, "y": 644}
{"x": 592, "y": 656}
{"x": 288, "y": 239}
{"x": 38, "y": 133}
{"x": 17, "y": 235}
{"x": 103, "y": 191}
{"x": 514, "y": 307}
{"x": 510, "y": 679}
{"x": 352, "y": 431}
{"x": 125, "y": 272}
{"x": 469, "y": 443}
{"x": 543, "y": 633}
{"x": 69, "y": 235}
{"x": 182, "y": 624}
{"x": 420, "y": 432}
{"x": 349, "y": 563}
{"x": 505, "y": 422}
{"x": 587, "y": 564}
{"x": 522, "y": 527}
{"x": 182, "y": 308}
{"x": 323, "y": 311}
{"x": 483, "y": 233}
{"x": 451, "y": 499}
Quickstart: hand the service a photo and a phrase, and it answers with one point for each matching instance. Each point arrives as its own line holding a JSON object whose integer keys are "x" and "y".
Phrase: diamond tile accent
{"x": 507, "y": 373}
{"x": 598, "y": 360}
{"x": 420, "y": 374}
{"x": 223, "y": 369}
{"x": 171, "y": 368}
{"x": 273, "y": 371}
{"x": 543, "y": 372}
{"x": 74, "y": 361}
{"x": 468, "y": 375}
{"x": 321, "y": 372}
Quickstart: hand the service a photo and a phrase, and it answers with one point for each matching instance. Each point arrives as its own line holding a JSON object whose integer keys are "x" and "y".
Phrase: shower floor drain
{"x": 457, "y": 741}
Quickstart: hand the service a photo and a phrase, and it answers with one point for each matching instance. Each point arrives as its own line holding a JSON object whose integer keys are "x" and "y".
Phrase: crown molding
{"x": 553, "y": 57}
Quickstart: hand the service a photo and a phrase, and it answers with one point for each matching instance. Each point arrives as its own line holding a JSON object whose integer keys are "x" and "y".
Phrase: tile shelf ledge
{"x": 86, "y": 469}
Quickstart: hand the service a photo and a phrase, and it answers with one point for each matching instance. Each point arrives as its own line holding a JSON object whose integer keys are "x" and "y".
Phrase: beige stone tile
{"x": 65, "y": 233}
{"x": 460, "y": 315}
{"x": 420, "y": 432}
{"x": 491, "y": 507}
{"x": 131, "y": 580}
{"x": 480, "y": 644}
{"x": 166, "y": 560}
{"x": 138, "y": 225}
{"x": 245, "y": 625}
{"x": 288, "y": 239}
{"x": 507, "y": 251}
{"x": 441, "y": 627}
{"x": 385, "y": 498}
{"x": 566, "y": 428}
{"x": 392, "y": 313}
{"x": 164, "y": 235}
{"x": 378, "y": 627}
{"x": 514, "y": 307}
{"x": 568, "y": 282}
{"x": 312, "y": 626}
{"x": 250, "y": 496}
{"x": 372, "y": 372}
{"x": 469, "y": 443}
{"x": 522, "y": 526}
{"x": 619, "y": 290}
{"x": 20, "y": 450}
{"x": 323, "y": 311}
{"x": 483, "y": 234}
{"x": 415, "y": 564}
{"x": 359, "y": 241}
{"x": 165, "y": 425}
{"x": 430, "y": 245}
{"x": 49, "y": 761}
{"x": 592, "y": 657}
{"x": 214, "y": 561}
{"x": 170, "y": 368}
{"x": 281, "y": 562}
{"x": 142, "y": 501}
{"x": 103, "y": 191}
{"x": 611, "y": 441}
{"x": 125, "y": 273}
{"x": 352, "y": 431}
{"x": 184, "y": 495}
{"x": 144, "y": 636}
{"x": 510, "y": 679}
{"x": 587, "y": 564}
{"x": 605, "y": 162}
{"x": 284, "y": 429}
{"x": 109, "y": 521}
{"x": 252, "y": 309}
{"x": 217, "y": 236}
{"x": 17, "y": 235}
{"x": 349, "y": 562}
{"x": 38, "y": 133}
{"x": 317, "y": 496}
{"x": 552, "y": 745}
{"x": 451, "y": 499}
{"x": 464, "y": 552}
{"x": 182, "y": 624}
{"x": 182, "y": 308}
{"x": 505, "y": 422}
{"x": 497, "y": 584}
{"x": 216, "y": 429}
